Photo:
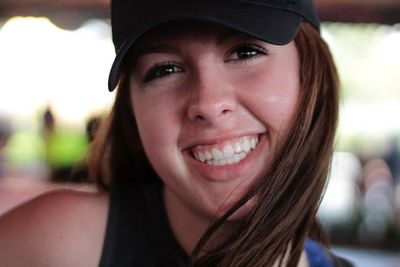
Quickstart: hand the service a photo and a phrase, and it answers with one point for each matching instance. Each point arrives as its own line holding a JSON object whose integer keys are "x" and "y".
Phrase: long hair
{"x": 288, "y": 197}
{"x": 116, "y": 154}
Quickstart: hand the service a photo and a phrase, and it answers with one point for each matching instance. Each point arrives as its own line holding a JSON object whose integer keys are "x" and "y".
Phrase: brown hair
{"x": 116, "y": 154}
{"x": 290, "y": 193}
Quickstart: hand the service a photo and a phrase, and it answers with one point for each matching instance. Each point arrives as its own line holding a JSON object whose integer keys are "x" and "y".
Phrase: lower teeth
{"x": 232, "y": 160}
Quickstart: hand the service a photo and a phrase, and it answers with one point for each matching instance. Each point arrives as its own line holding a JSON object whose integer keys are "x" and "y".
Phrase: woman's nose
{"x": 211, "y": 99}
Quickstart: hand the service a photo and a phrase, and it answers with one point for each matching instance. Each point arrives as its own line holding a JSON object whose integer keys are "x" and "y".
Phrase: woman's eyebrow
{"x": 147, "y": 48}
{"x": 227, "y": 36}
{"x": 154, "y": 49}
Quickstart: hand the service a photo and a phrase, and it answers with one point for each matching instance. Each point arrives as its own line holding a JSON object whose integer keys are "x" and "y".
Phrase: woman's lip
{"x": 217, "y": 140}
{"x": 228, "y": 172}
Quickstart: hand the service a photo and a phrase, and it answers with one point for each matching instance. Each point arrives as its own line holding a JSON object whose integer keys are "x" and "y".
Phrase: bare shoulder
{"x": 60, "y": 228}
{"x": 303, "y": 262}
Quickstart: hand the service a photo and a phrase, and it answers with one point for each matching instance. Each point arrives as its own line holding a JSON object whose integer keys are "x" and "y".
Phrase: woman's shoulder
{"x": 58, "y": 228}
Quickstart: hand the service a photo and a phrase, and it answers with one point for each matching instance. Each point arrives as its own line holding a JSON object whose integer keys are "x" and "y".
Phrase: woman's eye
{"x": 161, "y": 70}
{"x": 247, "y": 52}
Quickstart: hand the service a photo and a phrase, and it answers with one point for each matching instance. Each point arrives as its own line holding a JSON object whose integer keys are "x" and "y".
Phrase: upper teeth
{"x": 227, "y": 154}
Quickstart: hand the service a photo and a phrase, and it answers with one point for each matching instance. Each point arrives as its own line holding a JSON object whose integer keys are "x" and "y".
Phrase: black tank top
{"x": 138, "y": 232}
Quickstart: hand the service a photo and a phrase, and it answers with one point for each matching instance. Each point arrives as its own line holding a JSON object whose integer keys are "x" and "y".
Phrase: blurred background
{"x": 54, "y": 61}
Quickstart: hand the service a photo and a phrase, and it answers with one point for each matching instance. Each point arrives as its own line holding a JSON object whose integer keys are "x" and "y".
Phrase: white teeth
{"x": 253, "y": 142}
{"x": 208, "y": 155}
{"x": 230, "y": 160}
{"x": 246, "y": 145}
{"x": 221, "y": 162}
{"x": 227, "y": 161}
{"x": 237, "y": 148}
{"x": 228, "y": 151}
{"x": 236, "y": 158}
{"x": 202, "y": 158}
{"x": 217, "y": 154}
{"x": 231, "y": 154}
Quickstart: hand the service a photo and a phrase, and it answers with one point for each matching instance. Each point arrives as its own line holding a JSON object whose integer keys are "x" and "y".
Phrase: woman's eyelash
{"x": 241, "y": 52}
{"x": 246, "y": 52}
{"x": 161, "y": 70}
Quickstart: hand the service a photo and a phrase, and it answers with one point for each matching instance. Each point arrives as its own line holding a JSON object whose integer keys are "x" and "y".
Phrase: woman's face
{"x": 210, "y": 105}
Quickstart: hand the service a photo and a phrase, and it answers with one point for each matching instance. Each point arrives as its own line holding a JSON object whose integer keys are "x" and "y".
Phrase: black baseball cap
{"x": 273, "y": 21}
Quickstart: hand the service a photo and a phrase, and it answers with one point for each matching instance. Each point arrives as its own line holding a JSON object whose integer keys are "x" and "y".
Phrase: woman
{"x": 216, "y": 151}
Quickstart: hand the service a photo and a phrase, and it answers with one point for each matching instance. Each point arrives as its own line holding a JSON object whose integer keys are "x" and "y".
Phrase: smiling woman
{"x": 208, "y": 93}
{"x": 216, "y": 151}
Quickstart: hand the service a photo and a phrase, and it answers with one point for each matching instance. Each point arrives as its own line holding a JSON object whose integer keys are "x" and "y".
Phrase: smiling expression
{"x": 210, "y": 106}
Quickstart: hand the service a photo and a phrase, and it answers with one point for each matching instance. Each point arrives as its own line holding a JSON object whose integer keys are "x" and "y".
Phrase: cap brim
{"x": 272, "y": 25}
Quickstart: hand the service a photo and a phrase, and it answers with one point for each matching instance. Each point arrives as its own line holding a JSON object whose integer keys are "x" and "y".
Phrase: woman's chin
{"x": 237, "y": 215}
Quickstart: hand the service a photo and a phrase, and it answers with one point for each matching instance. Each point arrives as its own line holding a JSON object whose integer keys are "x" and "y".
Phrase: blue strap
{"x": 316, "y": 254}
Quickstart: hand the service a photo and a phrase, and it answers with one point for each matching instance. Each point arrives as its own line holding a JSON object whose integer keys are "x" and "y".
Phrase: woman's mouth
{"x": 229, "y": 152}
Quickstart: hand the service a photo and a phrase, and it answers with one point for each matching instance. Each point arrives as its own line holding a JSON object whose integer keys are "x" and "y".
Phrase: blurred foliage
{"x": 25, "y": 148}
{"x": 66, "y": 148}
{"x": 63, "y": 148}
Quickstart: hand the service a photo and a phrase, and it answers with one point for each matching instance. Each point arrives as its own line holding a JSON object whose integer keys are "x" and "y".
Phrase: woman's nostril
{"x": 200, "y": 118}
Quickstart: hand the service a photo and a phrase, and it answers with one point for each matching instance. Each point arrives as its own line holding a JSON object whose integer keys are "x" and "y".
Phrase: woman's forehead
{"x": 175, "y": 30}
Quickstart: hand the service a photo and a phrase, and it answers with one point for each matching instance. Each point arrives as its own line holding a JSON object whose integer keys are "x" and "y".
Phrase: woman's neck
{"x": 187, "y": 226}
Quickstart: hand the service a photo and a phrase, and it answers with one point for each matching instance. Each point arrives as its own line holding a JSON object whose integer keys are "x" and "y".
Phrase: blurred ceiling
{"x": 363, "y": 11}
{"x": 71, "y": 13}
